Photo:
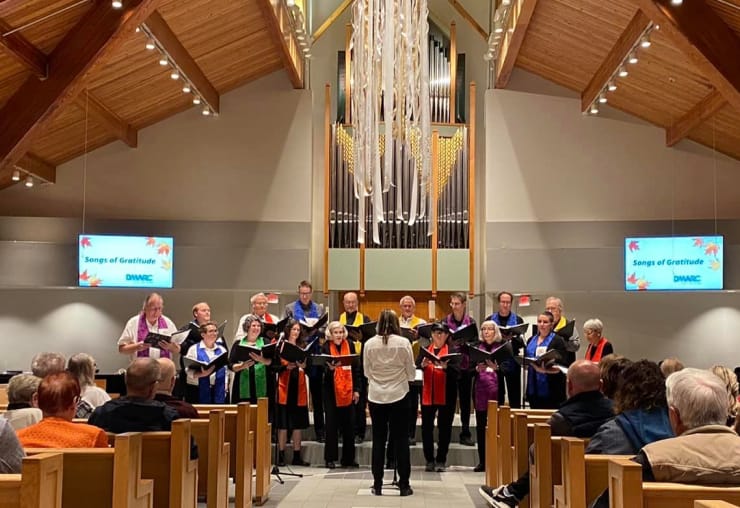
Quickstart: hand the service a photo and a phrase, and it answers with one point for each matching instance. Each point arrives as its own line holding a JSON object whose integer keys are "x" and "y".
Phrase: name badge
{"x": 541, "y": 350}
{"x": 346, "y": 367}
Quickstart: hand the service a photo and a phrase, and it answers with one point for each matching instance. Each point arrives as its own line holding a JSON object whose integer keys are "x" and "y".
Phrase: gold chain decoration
{"x": 449, "y": 150}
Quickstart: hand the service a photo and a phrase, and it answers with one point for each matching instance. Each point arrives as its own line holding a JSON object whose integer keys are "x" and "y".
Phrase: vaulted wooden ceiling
{"x": 76, "y": 75}
{"x": 687, "y": 81}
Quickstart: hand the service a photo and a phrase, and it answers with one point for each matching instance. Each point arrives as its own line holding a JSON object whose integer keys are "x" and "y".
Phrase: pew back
{"x": 213, "y": 463}
{"x": 166, "y": 460}
{"x": 39, "y": 486}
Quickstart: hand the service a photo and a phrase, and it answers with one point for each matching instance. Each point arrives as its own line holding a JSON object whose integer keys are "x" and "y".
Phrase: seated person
{"x": 83, "y": 366}
{"x": 47, "y": 363}
{"x": 11, "y": 451}
{"x": 165, "y": 385}
{"x": 57, "y": 398}
{"x": 670, "y": 365}
{"x": 580, "y": 415}
{"x": 137, "y": 411}
{"x": 21, "y": 409}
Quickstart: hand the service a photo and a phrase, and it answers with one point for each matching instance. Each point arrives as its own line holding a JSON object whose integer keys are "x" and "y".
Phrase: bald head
{"x": 583, "y": 376}
{"x": 142, "y": 376}
{"x": 167, "y": 373}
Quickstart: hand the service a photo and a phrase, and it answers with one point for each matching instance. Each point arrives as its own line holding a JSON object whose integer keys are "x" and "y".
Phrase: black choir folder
{"x": 273, "y": 330}
{"x": 463, "y": 335}
{"x": 565, "y": 332}
{"x": 343, "y": 360}
{"x": 507, "y": 331}
{"x": 498, "y": 354}
{"x": 153, "y": 338}
{"x": 451, "y": 358}
{"x": 546, "y": 359}
{"x": 221, "y": 360}
{"x": 311, "y": 326}
{"x": 240, "y": 353}
{"x": 363, "y": 332}
{"x": 292, "y": 353}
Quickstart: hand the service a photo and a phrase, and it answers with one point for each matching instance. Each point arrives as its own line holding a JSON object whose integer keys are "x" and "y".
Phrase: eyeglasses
{"x": 305, "y": 293}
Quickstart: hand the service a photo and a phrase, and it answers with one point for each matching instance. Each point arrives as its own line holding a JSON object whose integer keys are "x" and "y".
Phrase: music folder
{"x": 546, "y": 359}
{"x": 273, "y": 330}
{"x": 323, "y": 359}
{"x": 508, "y": 331}
{"x": 240, "y": 353}
{"x": 362, "y": 332}
{"x": 153, "y": 338}
{"x": 311, "y": 326}
{"x": 451, "y": 358}
{"x": 466, "y": 335}
{"x": 292, "y": 353}
{"x": 498, "y": 354}
{"x": 218, "y": 362}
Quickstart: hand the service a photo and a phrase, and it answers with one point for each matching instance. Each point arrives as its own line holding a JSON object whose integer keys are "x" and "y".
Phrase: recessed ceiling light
{"x": 116, "y": 4}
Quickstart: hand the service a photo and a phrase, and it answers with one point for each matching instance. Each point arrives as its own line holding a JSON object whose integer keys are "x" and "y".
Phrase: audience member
{"x": 11, "y": 452}
{"x": 731, "y": 383}
{"x": 47, "y": 363}
{"x": 57, "y": 398}
{"x": 137, "y": 411}
{"x": 21, "y": 394}
{"x": 82, "y": 366}
{"x": 580, "y": 415}
{"x": 705, "y": 451}
{"x": 164, "y": 387}
{"x": 611, "y": 367}
{"x": 642, "y": 413}
{"x": 670, "y": 365}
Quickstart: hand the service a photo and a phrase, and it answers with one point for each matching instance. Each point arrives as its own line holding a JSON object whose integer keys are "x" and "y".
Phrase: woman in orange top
{"x": 598, "y": 346}
{"x": 58, "y": 395}
{"x": 341, "y": 394}
{"x": 292, "y": 401}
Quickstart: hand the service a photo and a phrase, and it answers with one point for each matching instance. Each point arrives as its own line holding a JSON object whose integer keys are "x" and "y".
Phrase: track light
{"x": 499, "y": 29}
{"x": 116, "y": 4}
{"x": 150, "y": 45}
{"x": 676, "y": 3}
{"x": 29, "y": 181}
{"x": 602, "y": 98}
{"x": 163, "y": 61}
{"x": 186, "y": 88}
{"x": 206, "y": 111}
{"x": 175, "y": 74}
{"x": 505, "y": 2}
{"x": 612, "y": 85}
{"x": 645, "y": 41}
{"x": 290, "y": 3}
{"x": 138, "y": 29}
{"x": 632, "y": 58}
{"x": 594, "y": 110}
{"x": 196, "y": 100}
{"x": 16, "y": 176}
{"x": 623, "y": 72}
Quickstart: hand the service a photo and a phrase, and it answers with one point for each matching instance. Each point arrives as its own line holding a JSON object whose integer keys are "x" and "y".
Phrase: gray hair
{"x": 595, "y": 325}
{"x": 257, "y": 295}
{"x": 82, "y": 366}
{"x": 335, "y": 325}
{"x": 699, "y": 396}
{"x": 496, "y": 330}
{"x": 407, "y": 297}
{"x": 47, "y": 363}
{"x": 21, "y": 388}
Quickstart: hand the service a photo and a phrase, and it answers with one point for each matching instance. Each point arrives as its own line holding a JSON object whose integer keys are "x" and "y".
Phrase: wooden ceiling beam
{"x": 469, "y": 18}
{"x": 86, "y": 101}
{"x": 514, "y": 32}
{"x": 37, "y": 167}
{"x": 331, "y": 19}
{"x": 36, "y": 103}
{"x": 26, "y": 53}
{"x": 171, "y": 45}
{"x": 697, "y": 30}
{"x": 626, "y": 41}
{"x": 7, "y": 6}
{"x": 278, "y": 23}
{"x": 697, "y": 115}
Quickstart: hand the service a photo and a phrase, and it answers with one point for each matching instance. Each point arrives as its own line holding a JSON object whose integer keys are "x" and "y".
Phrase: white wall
{"x": 249, "y": 163}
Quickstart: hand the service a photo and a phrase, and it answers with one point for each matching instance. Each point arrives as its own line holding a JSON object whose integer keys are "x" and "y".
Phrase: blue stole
{"x": 204, "y": 383}
{"x": 535, "y": 378}
{"x": 300, "y": 315}
{"x": 510, "y": 321}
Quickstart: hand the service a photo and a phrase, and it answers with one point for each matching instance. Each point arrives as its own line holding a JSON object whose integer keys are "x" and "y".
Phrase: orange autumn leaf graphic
{"x": 698, "y": 242}
{"x": 150, "y": 241}
{"x": 714, "y": 265}
{"x": 632, "y": 279}
{"x": 84, "y": 275}
{"x": 634, "y": 245}
{"x": 712, "y": 248}
{"x": 94, "y": 281}
{"x": 85, "y": 242}
{"x": 163, "y": 249}
{"x": 642, "y": 284}
{"x": 166, "y": 265}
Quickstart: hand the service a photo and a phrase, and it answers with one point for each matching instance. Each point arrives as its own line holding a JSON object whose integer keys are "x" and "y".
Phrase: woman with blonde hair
{"x": 733, "y": 390}
{"x": 82, "y": 366}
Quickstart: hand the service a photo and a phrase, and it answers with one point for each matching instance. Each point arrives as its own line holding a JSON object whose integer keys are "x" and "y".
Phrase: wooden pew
{"x": 492, "y": 447}
{"x": 245, "y": 457}
{"x": 627, "y": 490}
{"x": 545, "y": 472}
{"x": 166, "y": 461}
{"x": 104, "y": 477}
{"x": 259, "y": 423}
{"x": 213, "y": 463}
{"x": 585, "y": 477}
{"x": 39, "y": 485}
{"x": 713, "y": 504}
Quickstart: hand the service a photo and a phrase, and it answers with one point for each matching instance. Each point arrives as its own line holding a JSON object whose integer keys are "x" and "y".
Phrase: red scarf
{"x": 342, "y": 377}
{"x": 595, "y": 356}
{"x": 433, "y": 390}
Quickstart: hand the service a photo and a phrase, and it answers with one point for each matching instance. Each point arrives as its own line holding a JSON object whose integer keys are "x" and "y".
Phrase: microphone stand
{"x": 275, "y": 469}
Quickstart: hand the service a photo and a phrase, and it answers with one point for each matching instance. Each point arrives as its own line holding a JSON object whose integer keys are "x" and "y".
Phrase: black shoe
{"x": 441, "y": 467}
{"x": 359, "y": 440}
{"x": 405, "y": 491}
{"x": 281, "y": 459}
{"x": 498, "y": 497}
{"x": 479, "y": 468}
{"x": 467, "y": 441}
{"x": 376, "y": 490}
{"x": 430, "y": 467}
{"x": 298, "y": 461}
{"x": 353, "y": 465}
{"x": 331, "y": 465}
